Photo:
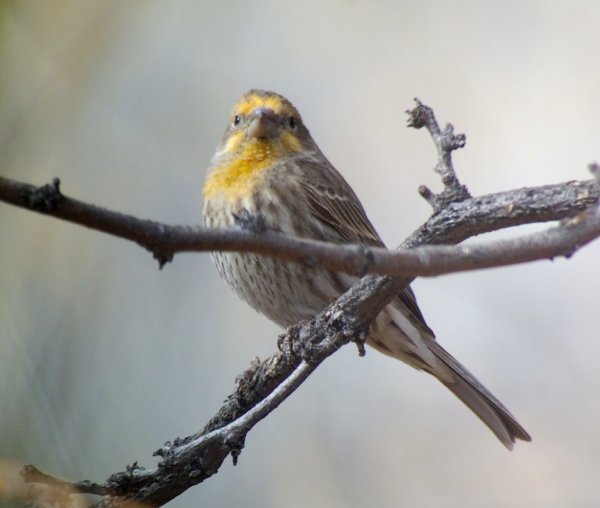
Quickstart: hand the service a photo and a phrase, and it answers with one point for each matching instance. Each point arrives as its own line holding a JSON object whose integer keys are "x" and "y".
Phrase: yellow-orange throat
{"x": 244, "y": 161}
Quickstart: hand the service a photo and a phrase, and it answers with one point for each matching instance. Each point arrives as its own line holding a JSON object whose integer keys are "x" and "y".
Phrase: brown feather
{"x": 343, "y": 212}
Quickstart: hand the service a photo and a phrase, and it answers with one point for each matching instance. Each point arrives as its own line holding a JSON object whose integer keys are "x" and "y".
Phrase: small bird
{"x": 268, "y": 170}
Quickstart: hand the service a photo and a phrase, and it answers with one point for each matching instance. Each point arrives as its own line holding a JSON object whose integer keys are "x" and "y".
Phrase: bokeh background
{"x": 103, "y": 357}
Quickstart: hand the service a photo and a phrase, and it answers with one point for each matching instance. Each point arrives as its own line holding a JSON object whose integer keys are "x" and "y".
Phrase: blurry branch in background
{"x": 261, "y": 388}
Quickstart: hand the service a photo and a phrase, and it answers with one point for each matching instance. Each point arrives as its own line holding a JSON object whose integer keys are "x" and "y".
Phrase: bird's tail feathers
{"x": 398, "y": 333}
{"x": 480, "y": 400}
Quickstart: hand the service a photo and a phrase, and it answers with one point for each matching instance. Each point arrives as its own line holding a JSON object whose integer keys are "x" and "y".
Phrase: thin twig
{"x": 445, "y": 142}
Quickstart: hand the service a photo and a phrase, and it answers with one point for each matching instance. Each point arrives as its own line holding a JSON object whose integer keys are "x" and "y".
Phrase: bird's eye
{"x": 292, "y": 122}
{"x": 236, "y": 120}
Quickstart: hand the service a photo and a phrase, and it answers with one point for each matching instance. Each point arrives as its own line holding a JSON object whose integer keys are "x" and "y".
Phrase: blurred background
{"x": 103, "y": 357}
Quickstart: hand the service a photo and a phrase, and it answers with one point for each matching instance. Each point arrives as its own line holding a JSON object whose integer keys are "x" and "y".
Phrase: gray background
{"x": 103, "y": 357}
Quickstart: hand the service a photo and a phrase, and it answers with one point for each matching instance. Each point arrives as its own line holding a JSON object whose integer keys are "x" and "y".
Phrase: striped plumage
{"x": 268, "y": 169}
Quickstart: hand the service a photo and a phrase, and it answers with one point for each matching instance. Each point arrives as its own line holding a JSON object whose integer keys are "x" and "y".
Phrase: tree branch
{"x": 473, "y": 215}
{"x": 261, "y": 388}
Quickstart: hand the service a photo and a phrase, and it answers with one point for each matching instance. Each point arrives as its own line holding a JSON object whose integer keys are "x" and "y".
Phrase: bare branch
{"x": 260, "y": 389}
{"x": 470, "y": 216}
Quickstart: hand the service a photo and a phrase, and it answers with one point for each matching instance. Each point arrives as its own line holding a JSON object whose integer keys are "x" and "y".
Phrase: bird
{"x": 268, "y": 170}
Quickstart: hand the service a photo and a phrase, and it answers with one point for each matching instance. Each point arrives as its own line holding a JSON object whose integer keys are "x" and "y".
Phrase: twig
{"x": 445, "y": 142}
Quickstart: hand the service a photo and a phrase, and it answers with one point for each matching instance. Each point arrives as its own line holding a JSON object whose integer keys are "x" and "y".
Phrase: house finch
{"x": 269, "y": 169}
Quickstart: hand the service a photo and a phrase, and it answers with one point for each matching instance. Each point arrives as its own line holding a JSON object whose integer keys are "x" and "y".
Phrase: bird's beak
{"x": 263, "y": 123}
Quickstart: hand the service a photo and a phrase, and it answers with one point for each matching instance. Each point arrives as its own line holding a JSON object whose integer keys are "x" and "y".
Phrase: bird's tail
{"x": 479, "y": 400}
{"x": 400, "y": 333}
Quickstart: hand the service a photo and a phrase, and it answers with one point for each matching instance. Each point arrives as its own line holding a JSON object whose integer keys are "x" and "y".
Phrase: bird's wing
{"x": 332, "y": 201}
